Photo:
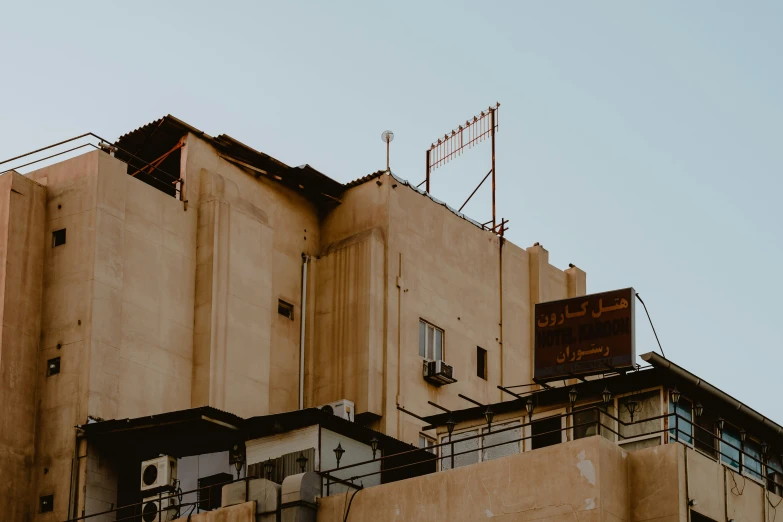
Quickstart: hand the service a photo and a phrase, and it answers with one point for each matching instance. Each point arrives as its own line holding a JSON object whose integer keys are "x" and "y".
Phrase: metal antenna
{"x": 387, "y": 136}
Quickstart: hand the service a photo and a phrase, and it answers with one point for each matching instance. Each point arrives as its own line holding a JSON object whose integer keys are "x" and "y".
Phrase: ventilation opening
{"x": 58, "y": 237}
{"x": 46, "y": 504}
{"x": 52, "y": 366}
{"x": 285, "y": 309}
{"x": 481, "y": 362}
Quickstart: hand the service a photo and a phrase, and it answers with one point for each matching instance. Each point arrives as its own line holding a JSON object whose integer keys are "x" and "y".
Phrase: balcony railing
{"x": 676, "y": 431}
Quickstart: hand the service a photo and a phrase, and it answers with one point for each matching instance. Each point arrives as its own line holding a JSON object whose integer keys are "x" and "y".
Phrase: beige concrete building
{"x": 200, "y": 281}
{"x": 184, "y": 294}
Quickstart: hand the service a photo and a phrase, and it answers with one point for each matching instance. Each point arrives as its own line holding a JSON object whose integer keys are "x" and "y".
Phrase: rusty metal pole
{"x": 427, "y": 186}
{"x": 492, "y": 133}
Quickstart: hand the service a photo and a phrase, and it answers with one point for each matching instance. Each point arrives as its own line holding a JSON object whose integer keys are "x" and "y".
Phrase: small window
{"x": 52, "y": 366}
{"x": 285, "y": 309}
{"x": 501, "y": 441}
{"x": 58, "y": 237}
{"x": 46, "y": 504}
{"x": 751, "y": 461}
{"x": 426, "y": 443}
{"x": 466, "y": 452}
{"x": 729, "y": 446}
{"x": 681, "y": 420}
{"x": 706, "y": 440}
{"x": 591, "y": 420}
{"x": 481, "y": 362}
{"x": 546, "y": 432}
{"x": 430, "y": 341}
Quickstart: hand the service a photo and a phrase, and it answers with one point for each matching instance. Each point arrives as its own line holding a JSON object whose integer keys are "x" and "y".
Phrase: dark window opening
{"x": 46, "y": 504}
{"x": 285, "y": 309}
{"x": 698, "y": 517}
{"x": 52, "y": 366}
{"x": 546, "y": 432}
{"x": 704, "y": 431}
{"x": 210, "y": 490}
{"x": 58, "y": 237}
{"x": 481, "y": 362}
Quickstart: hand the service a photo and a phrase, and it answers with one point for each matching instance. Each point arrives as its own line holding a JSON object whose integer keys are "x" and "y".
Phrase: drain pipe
{"x": 302, "y": 321}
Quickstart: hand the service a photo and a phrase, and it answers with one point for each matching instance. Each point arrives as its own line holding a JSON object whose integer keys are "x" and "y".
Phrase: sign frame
{"x": 584, "y": 335}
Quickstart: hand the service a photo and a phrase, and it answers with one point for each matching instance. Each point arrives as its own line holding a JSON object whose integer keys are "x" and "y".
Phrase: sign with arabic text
{"x": 584, "y": 335}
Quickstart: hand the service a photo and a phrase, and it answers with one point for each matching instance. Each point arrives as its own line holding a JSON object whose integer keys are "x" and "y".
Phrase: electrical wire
{"x": 651, "y": 324}
{"x": 345, "y": 518}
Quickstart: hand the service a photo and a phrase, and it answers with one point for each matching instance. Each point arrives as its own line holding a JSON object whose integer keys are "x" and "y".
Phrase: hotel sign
{"x": 584, "y": 335}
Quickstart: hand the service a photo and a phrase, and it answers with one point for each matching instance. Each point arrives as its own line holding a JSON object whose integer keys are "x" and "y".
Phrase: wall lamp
{"x": 489, "y": 415}
{"x": 302, "y": 461}
{"x": 606, "y": 395}
{"x": 698, "y": 410}
{"x": 675, "y": 395}
{"x": 450, "y": 425}
{"x": 338, "y": 452}
{"x": 268, "y": 466}
{"x": 374, "y": 445}
{"x": 572, "y": 394}
{"x": 529, "y": 407}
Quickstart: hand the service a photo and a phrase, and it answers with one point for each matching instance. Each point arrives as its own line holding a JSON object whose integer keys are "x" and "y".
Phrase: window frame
{"x": 482, "y": 432}
{"x": 660, "y": 436}
{"x": 427, "y": 324}
{"x": 540, "y": 416}
{"x": 600, "y": 406}
{"x": 429, "y": 442}
{"x": 670, "y": 424}
{"x": 482, "y": 358}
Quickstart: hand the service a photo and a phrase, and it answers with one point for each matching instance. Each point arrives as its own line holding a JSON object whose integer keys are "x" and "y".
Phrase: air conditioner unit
{"x": 158, "y": 474}
{"x": 438, "y": 373}
{"x": 155, "y": 509}
{"x": 342, "y": 408}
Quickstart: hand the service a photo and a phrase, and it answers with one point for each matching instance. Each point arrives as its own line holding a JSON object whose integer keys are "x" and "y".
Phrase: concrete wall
{"x": 240, "y": 513}
{"x": 118, "y": 305}
{"x": 252, "y": 233}
{"x": 581, "y": 480}
{"x": 22, "y": 212}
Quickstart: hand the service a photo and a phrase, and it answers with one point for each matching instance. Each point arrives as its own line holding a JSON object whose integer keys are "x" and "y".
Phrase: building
{"x": 181, "y": 294}
{"x": 174, "y": 270}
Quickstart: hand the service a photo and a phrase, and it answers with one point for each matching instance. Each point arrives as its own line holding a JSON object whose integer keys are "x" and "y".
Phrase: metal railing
{"x": 138, "y": 507}
{"x": 676, "y": 433}
{"x": 163, "y": 180}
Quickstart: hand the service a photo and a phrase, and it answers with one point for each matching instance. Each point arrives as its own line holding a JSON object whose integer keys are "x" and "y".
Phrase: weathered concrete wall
{"x": 573, "y": 481}
{"x": 117, "y": 308}
{"x": 240, "y": 513}
{"x": 22, "y": 214}
{"x": 252, "y": 233}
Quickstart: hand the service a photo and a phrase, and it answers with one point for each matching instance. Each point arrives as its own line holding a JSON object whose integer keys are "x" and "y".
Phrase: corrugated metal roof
{"x": 155, "y": 138}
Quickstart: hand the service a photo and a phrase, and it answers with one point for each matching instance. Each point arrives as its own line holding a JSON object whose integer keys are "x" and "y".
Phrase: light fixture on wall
{"x": 302, "y": 461}
{"x": 572, "y": 394}
{"x": 338, "y": 453}
{"x": 606, "y": 395}
{"x": 450, "y": 425}
{"x": 529, "y": 407}
{"x": 632, "y": 406}
{"x": 489, "y": 415}
{"x": 720, "y": 424}
{"x": 675, "y": 395}
{"x": 698, "y": 410}
{"x": 743, "y": 435}
{"x": 374, "y": 445}
{"x": 268, "y": 467}
{"x": 764, "y": 449}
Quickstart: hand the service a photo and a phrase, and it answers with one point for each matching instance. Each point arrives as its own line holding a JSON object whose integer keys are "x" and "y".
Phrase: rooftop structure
{"x": 180, "y": 294}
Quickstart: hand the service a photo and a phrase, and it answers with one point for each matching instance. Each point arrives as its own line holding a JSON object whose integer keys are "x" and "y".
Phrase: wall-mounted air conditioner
{"x": 155, "y": 509}
{"x": 438, "y": 373}
{"x": 159, "y": 473}
{"x": 342, "y": 408}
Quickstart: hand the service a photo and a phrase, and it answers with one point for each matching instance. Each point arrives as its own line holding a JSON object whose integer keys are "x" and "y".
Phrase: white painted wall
{"x": 259, "y": 450}
{"x": 354, "y": 452}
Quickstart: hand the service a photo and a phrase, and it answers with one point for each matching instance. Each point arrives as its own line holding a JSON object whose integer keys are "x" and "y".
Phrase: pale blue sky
{"x": 640, "y": 141}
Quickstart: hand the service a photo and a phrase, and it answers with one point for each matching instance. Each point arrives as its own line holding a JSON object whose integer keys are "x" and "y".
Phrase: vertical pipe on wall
{"x": 302, "y": 322}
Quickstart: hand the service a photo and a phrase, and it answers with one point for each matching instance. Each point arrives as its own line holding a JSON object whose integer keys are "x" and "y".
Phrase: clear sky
{"x": 640, "y": 141}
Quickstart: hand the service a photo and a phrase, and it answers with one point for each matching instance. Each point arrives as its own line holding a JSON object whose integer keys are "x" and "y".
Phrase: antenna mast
{"x": 388, "y": 137}
{"x": 463, "y": 137}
